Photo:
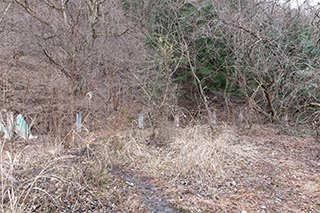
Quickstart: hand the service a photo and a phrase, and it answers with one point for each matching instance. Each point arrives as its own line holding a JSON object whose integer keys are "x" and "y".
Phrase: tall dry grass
{"x": 45, "y": 175}
{"x": 193, "y": 154}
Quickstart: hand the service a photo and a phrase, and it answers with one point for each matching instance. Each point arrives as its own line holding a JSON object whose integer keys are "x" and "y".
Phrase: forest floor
{"x": 261, "y": 169}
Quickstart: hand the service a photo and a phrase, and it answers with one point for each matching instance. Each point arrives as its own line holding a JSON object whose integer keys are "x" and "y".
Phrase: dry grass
{"x": 48, "y": 176}
{"x": 195, "y": 153}
{"x": 189, "y": 154}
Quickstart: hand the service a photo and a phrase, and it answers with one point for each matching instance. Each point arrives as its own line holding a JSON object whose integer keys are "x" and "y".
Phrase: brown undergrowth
{"x": 169, "y": 170}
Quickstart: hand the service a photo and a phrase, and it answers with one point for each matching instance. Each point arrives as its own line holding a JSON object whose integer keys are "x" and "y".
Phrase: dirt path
{"x": 151, "y": 197}
{"x": 263, "y": 170}
{"x": 288, "y": 173}
{"x": 283, "y": 177}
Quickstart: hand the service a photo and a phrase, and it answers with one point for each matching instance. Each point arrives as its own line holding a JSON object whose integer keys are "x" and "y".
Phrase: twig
{"x": 6, "y": 11}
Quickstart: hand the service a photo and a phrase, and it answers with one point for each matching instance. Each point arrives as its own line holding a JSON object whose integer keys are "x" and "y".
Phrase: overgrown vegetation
{"x": 192, "y": 69}
{"x": 260, "y": 52}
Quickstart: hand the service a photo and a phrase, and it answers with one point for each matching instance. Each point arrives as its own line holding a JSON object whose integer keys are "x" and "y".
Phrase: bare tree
{"x": 87, "y": 46}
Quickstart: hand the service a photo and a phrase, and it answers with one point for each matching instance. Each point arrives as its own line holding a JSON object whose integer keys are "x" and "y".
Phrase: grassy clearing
{"x": 46, "y": 176}
{"x": 181, "y": 170}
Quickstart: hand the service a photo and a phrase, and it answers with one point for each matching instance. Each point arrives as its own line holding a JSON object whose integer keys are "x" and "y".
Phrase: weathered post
{"x": 177, "y": 120}
{"x": 213, "y": 118}
{"x": 140, "y": 120}
{"x": 78, "y": 121}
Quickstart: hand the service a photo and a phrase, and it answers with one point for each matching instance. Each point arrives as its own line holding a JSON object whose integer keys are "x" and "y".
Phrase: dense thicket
{"x": 262, "y": 52}
{"x": 158, "y": 56}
